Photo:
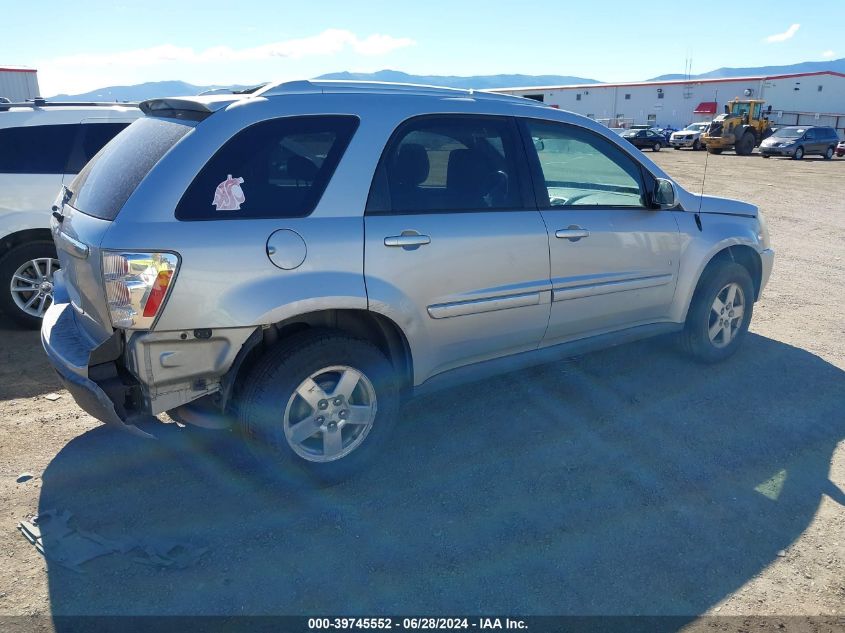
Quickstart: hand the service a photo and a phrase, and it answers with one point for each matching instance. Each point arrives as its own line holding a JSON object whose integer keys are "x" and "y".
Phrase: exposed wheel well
{"x": 745, "y": 256}
{"x": 12, "y": 240}
{"x": 373, "y": 327}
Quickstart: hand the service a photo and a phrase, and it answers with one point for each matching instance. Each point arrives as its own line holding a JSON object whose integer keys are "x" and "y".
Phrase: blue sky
{"x": 82, "y": 45}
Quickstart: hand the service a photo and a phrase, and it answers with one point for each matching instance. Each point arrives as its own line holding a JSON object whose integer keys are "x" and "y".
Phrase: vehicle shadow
{"x": 24, "y": 369}
{"x": 630, "y": 481}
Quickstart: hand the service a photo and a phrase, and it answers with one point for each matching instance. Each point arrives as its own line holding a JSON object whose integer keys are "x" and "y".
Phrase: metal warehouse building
{"x": 816, "y": 98}
{"x": 18, "y": 84}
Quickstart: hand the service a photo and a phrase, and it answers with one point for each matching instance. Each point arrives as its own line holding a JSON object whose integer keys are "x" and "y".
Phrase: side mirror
{"x": 539, "y": 145}
{"x": 664, "y": 196}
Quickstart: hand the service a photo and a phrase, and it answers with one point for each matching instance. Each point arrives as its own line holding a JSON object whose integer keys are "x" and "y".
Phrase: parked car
{"x": 690, "y": 136}
{"x": 840, "y": 149}
{"x": 253, "y": 257}
{"x": 666, "y": 132}
{"x": 43, "y": 145}
{"x": 798, "y": 141}
{"x": 645, "y": 139}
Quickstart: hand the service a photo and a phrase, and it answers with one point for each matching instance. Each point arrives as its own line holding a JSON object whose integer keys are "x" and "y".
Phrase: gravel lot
{"x": 629, "y": 481}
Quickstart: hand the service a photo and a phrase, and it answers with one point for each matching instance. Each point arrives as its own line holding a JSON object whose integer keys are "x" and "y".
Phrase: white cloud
{"x": 828, "y": 55}
{"x": 329, "y": 42}
{"x": 787, "y": 34}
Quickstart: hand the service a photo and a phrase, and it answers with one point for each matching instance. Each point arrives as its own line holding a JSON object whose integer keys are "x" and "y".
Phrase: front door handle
{"x": 408, "y": 240}
{"x": 573, "y": 233}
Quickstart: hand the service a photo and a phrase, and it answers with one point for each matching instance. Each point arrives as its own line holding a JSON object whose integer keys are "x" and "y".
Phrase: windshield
{"x": 106, "y": 182}
{"x": 697, "y": 127}
{"x": 790, "y": 132}
{"x": 740, "y": 108}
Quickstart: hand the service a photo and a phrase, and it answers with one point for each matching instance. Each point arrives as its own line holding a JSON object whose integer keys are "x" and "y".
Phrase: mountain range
{"x": 836, "y": 65}
{"x": 150, "y": 90}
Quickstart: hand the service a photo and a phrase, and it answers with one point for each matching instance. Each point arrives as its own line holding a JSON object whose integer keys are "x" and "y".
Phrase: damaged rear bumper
{"x": 70, "y": 352}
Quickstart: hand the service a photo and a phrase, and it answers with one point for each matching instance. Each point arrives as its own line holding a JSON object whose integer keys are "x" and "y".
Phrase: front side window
{"x": 447, "y": 163}
{"x": 580, "y": 168}
{"x": 36, "y": 149}
{"x": 273, "y": 169}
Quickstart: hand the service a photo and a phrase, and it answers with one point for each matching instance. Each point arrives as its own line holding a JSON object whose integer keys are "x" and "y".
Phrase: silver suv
{"x": 301, "y": 259}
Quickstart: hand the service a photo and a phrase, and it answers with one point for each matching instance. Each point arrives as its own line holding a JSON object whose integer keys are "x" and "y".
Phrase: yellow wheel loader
{"x": 742, "y": 127}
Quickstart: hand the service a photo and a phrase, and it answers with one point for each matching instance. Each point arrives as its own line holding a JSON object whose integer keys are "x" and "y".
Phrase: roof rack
{"x": 40, "y": 102}
{"x": 334, "y": 85}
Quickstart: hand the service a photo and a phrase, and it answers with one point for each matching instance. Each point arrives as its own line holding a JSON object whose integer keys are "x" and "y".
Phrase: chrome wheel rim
{"x": 726, "y": 315}
{"x": 330, "y": 413}
{"x": 32, "y": 285}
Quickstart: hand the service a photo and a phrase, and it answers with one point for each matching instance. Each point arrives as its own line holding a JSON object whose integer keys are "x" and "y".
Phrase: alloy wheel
{"x": 32, "y": 285}
{"x": 330, "y": 413}
{"x": 726, "y": 315}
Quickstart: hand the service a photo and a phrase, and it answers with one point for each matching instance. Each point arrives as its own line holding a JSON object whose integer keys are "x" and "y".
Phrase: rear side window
{"x": 107, "y": 181}
{"x": 91, "y": 139}
{"x": 273, "y": 169}
{"x": 449, "y": 163}
{"x": 36, "y": 149}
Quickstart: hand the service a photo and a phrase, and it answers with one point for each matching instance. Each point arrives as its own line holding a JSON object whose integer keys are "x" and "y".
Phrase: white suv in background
{"x": 42, "y": 146}
{"x": 690, "y": 136}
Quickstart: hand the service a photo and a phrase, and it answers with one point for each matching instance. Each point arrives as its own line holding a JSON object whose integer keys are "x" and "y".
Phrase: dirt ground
{"x": 629, "y": 481}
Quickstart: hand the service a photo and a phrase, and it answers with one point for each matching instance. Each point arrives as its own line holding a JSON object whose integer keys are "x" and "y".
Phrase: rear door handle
{"x": 407, "y": 240}
{"x": 573, "y": 233}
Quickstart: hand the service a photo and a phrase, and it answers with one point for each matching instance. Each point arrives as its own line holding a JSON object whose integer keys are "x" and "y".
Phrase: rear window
{"x": 90, "y": 140}
{"x": 36, "y": 149}
{"x": 273, "y": 169}
{"x": 106, "y": 183}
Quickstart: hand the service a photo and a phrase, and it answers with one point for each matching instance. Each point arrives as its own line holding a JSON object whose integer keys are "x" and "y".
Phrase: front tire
{"x": 26, "y": 282}
{"x": 322, "y": 402}
{"x": 656, "y": 147}
{"x": 720, "y": 313}
{"x": 799, "y": 154}
{"x": 696, "y": 145}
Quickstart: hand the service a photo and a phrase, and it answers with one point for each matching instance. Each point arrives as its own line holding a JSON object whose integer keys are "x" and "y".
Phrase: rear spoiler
{"x": 191, "y": 108}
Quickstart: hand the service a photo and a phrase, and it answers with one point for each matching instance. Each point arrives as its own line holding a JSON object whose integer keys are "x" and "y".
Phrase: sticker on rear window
{"x": 229, "y": 196}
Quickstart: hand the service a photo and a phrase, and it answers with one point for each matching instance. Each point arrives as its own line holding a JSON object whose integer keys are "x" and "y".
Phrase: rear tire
{"x": 656, "y": 147}
{"x": 745, "y": 145}
{"x": 343, "y": 379}
{"x": 29, "y": 265}
{"x": 719, "y": 313}
{"x": 765, "y": 155}
{"x": 714, "y": 151}
{"x": 828, "y": 154}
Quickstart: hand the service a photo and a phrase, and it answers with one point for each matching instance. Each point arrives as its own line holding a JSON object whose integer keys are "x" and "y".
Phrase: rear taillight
{"x": 137, "y": 284}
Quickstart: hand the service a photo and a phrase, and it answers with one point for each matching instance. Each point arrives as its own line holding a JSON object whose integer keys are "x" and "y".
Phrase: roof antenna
{"x": 704, "y": 174}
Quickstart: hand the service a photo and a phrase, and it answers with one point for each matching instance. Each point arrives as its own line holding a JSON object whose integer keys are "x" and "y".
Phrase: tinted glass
{"x": 583, "y": 169}
{"x": 790, "y": 132}
{"x": 273, "y": 169}
{"x": 107, "y": 181}
{"x": 91, "y": 139}
{"x": 36, "y": 149}
{"x": 452, "y": 164}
